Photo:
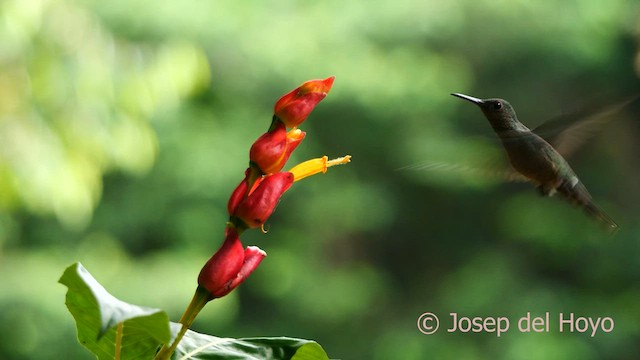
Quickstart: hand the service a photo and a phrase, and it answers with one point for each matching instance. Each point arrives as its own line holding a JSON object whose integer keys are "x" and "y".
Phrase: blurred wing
{"x": 468, "y": 170}
{"x": 567, "y": 133}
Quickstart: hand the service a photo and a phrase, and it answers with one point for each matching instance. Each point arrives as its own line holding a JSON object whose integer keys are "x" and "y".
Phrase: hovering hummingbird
{"x": 536, "y": 159}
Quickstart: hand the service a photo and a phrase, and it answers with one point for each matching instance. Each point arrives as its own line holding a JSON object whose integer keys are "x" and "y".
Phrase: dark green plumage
{"x": 536, "y": 159}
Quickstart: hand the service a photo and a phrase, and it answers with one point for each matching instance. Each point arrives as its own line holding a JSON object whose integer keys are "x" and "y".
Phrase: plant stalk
{"x": 199, "y": 300}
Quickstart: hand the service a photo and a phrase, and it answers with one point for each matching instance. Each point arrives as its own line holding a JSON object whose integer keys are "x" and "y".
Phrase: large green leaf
{"x": 98, "y": 314}
{"x": 195, "y": 346}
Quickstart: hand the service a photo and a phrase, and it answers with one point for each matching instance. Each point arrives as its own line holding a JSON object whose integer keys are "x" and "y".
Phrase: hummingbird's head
{"x": 498, "y": 111}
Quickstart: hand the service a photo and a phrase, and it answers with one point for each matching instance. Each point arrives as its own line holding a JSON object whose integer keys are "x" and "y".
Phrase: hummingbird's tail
{"x": 600, "y": 215}
{"x": 578, "y": 195}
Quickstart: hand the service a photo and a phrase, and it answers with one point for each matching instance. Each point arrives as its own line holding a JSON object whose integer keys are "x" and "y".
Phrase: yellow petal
{"x": 315, "y": 166}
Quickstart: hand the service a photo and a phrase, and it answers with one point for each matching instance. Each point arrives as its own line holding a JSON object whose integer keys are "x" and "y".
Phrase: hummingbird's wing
{"x": 490, "y": 172}
{"x": 567, "y": 133}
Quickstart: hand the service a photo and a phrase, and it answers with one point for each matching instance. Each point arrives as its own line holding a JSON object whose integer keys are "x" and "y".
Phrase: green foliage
{"x": 111, "y": 328}
{"x": 107, "y": 325}
{"x": 205, "y": 347}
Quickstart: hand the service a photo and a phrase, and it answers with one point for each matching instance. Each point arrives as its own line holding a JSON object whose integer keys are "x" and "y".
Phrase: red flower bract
{"x": 229, "y": 266}
{"x": 293, "y": 108}
{"x": 256, "y": 208}
{"x": 238, "y": 194}
{"x": 272, "y": 150}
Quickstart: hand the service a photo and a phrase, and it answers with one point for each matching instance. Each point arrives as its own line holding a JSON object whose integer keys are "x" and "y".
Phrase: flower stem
{"x": 199, "y": 300}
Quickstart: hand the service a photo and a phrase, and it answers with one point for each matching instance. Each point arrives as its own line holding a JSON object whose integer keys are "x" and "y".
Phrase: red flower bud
{"x": 259, "y": 205}
{"x": 293, "y": 108}
{"x": 272, "y": 150}
{"x": 229, "y": 266}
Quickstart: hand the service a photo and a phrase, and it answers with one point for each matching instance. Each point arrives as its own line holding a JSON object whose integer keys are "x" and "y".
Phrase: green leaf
{"x": 98, "y": 314}
{"x": 196, "y": 346}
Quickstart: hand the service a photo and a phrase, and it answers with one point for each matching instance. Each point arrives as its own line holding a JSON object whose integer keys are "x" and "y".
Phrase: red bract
{"x": 272, "y": 150}
{"x": 238, "y": 194}
{"x": 256, "y": 208}
{"x": 293, "y": 108}
{"x": 229, "y": 266}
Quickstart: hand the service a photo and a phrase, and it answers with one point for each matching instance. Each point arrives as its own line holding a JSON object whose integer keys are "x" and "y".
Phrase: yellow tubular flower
{"x": 315, "y": 166}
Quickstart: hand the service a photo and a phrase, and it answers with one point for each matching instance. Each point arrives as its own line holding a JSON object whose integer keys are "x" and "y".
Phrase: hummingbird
{"x": 535, "y": 159}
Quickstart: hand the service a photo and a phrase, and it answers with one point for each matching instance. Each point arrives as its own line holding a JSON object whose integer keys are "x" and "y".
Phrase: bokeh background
{"x": 125, "y": 125}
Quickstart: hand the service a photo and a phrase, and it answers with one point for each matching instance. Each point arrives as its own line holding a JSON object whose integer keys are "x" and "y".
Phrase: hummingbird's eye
{"x": 497, "y": 105}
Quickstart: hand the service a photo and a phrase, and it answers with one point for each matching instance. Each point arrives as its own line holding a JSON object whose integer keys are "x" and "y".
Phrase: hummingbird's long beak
{"x": 469, "y": 98}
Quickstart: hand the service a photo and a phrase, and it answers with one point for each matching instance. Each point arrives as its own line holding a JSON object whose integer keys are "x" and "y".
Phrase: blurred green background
{"x": 125, "y": 125}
